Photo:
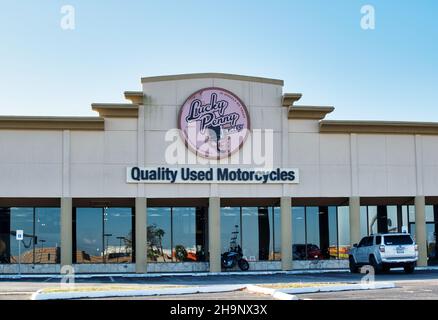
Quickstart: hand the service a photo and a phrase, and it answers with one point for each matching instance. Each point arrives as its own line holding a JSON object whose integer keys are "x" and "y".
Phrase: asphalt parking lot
{"x": 420, "y": 285}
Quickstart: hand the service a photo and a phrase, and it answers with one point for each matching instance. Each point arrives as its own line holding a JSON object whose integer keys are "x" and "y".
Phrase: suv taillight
{"x": 382, "y": 248}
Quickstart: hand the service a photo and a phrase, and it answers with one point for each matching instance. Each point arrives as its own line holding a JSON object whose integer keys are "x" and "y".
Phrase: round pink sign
{"x": 214, "y": 123}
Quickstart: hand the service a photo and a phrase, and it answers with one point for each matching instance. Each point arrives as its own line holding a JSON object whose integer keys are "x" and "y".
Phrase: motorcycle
{"x": 234, "y": 255}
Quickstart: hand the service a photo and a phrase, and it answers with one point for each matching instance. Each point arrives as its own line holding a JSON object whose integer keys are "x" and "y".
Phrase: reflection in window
{"x": 320, "y": 233}
{"x": 431, "y": 230}
{"x": 230, "y": 227}
{"x": 103, "y": 235}
{"x": 47, "y": 230}
{"x": 176, "y": 234}
{"x": 255, "y": 229}
{"x": 313, "y": 233}
{"x": 372, "y": 219}
{"x": 343, "y": 232}
{"x": 274, "y": 222}
{"x": 383, "y": 219}
{"x": 298, "y": 233}
{"x": 184, "y": 234}
{"x": 41, "y": 229}
{"x": 159, "y": 235}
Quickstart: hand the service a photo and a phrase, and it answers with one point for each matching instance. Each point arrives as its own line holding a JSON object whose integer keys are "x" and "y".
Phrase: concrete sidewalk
{"x": 192, "y": 274}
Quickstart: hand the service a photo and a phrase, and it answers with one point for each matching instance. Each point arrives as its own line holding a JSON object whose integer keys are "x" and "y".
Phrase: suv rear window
{"x": 398, "y": 240}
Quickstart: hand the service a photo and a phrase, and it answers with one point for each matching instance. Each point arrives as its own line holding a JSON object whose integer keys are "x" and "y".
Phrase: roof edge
{"x": 309, "y": 112}
{"x": 51, "y": 123}
{"x": 116, "y": 110}
{"x": 395, "y": 127}
{"x": 136, "y": 97}
{"x": 227, "y": 76}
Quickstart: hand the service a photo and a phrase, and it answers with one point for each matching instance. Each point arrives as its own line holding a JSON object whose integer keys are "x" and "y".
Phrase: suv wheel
{"x": 409, "y": 268}
{"x": 386, "y": 269}
{"x": 377, "y": 267}
{"x": 353, "y": 265}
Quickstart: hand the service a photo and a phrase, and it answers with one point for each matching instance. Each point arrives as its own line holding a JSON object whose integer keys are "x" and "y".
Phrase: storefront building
{"x": 194, "y": 162}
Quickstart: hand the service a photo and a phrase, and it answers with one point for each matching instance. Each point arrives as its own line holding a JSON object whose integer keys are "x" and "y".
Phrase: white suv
{"x": 385, "y": 251}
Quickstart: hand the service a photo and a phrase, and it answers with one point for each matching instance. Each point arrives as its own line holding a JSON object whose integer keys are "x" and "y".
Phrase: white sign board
{"x": 211, "y": 175}
{"x": 19, "y": 235}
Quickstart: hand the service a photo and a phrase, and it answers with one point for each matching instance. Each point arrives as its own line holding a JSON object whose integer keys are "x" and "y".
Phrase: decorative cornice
{"x": 212, "y": 75}
{"x": 116, "y": 110}
{"x": 309, "y": 112}
{"x": 51, "y": 123}
{"x": 395, "y": 127}
{"x": 290, "y": 98}
{"x": 136, "y": 97}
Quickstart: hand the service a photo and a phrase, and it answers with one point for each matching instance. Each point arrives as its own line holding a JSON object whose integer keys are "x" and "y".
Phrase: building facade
{"x": 130, "y": 189}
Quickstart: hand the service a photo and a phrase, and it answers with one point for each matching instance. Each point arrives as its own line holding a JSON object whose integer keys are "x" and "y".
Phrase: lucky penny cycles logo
{"x": 214, "y": 123}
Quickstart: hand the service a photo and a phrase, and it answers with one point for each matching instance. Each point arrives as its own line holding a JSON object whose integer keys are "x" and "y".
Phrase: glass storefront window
{"x": 298, "y": 233}
{"x": 431, "y": 230}
{"x": 47, "y": 230}
{"x": 372, "y": 219}
{"x": 255, "y": 229}
{"x": 41, "y": 229}
{"x": 384, "y": 219}
{"x": 159, "y": 235}
{"x": 251, "y": 242}
{"x": 176, "y": 234}
{"x": 230, "y": 228}
{"x": 118, "y": 235}
{"x": 103, "y": 235}
{"x": 22, "y": 219}
{"x": 320, "y": 233}
{"x": 89, "y": 235}
{"x": 363, "y": 221}
{"x": 184, "y": 234}
{"x": 333, "y": 233}
{"x": 392, "y": 219}
{"x": 343, "y": 232}
{"x": 411, "y": 213}
{"x": 430, "y": 215}
{"x": 312, "y": 233}
{"x": 276, "y": 231}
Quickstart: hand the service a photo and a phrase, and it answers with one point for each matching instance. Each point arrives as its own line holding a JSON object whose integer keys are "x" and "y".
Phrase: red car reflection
{"x": 313, "y": 252}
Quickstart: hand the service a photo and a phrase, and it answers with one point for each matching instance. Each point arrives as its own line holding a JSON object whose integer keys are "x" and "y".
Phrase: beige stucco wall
{"x": 93, "y": 163}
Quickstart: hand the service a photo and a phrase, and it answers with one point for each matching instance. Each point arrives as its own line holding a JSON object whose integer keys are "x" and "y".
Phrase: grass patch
{"x": 296, "y": 285}
{"x": 106, "y": 288}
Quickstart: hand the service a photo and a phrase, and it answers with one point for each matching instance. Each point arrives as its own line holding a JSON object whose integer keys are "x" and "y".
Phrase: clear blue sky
{"x": 316, "y": 46}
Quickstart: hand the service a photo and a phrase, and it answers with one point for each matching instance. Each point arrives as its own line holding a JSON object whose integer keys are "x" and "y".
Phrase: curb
{"x": 271, "y": 292}
{"x": 280, "y": 294}
{"x": 289, "y": 294}
{"x": 346, "y": 287}
{"x": 180, "y": 274}
{"x": 39, "y": 295}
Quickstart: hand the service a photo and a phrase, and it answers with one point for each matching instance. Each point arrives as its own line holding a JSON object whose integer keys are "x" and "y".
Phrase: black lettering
{"x": 135, "y": 173}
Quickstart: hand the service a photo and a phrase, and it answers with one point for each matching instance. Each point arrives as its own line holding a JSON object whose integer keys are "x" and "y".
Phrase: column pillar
{"x": 66, "y": 232}
{"x": 140, "y": 235}
{"x": 420, "y": 230}
{"x": 214, "y": 233}
{"x": 354, "y": 220}
{"x": 286, "y": 233}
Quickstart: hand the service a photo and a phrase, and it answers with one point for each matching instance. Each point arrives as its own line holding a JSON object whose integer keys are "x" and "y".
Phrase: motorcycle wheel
{"x": 243, "y": 264}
